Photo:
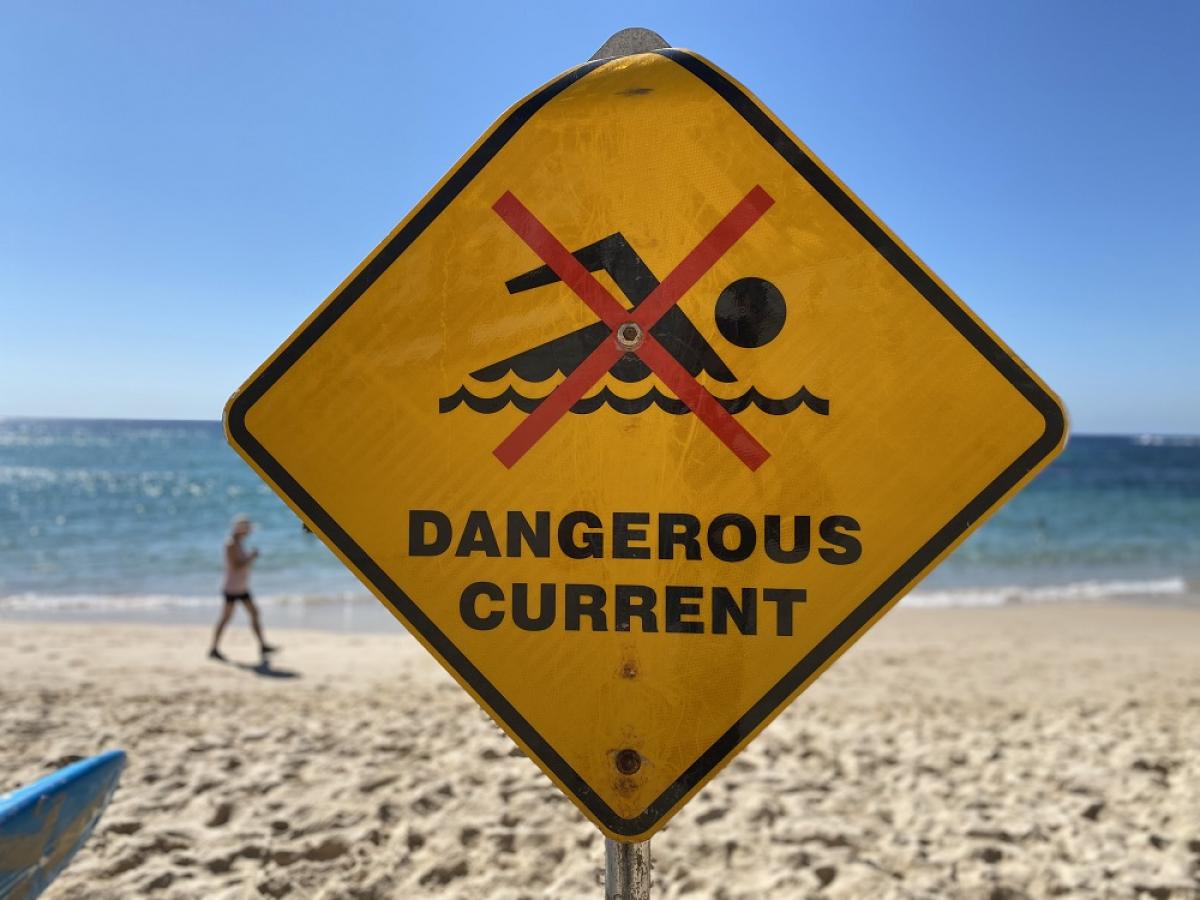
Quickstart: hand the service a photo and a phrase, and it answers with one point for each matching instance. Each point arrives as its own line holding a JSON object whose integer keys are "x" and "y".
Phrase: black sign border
{"x": 874, "y": 234}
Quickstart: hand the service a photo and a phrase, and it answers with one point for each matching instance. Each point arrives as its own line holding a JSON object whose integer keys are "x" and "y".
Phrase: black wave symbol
{"x": 634, "y": 405}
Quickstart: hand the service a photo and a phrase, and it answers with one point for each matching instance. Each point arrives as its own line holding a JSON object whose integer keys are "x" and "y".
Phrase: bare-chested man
{"x": 238, "y": 562}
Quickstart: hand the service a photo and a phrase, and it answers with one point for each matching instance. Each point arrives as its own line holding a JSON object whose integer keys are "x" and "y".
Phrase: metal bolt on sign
{"x": 630, "y": 336}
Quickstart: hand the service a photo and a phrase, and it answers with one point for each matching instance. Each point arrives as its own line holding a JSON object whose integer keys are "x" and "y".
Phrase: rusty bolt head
{"x": 628, "y": 761}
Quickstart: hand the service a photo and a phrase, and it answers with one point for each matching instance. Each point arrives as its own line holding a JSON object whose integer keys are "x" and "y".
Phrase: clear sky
{"x": 181, "y": 183}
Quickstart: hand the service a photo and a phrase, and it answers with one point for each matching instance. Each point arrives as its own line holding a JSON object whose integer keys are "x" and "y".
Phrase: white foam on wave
{"x": 1074, "y": 592}
{"x": 1167, "y": 440}
{"x": 134, "y": 603}
{"x": 1009, "y": 595}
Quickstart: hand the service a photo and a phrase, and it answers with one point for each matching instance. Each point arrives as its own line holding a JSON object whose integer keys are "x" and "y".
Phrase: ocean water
{"x": 127, "y": 517}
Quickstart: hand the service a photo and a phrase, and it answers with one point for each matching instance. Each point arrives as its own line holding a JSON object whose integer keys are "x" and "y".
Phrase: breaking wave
{"x": 1072, "y": 592}
{"x": 633, "y": 405}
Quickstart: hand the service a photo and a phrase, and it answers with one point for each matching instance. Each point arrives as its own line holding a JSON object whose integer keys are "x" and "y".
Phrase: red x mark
{"x": 597, "y": 297}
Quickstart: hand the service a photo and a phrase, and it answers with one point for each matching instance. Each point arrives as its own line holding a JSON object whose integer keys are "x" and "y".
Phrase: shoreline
{"x": 336, "y": 615}
{"x": 1017, "y": 751}
{"x": 363, "y": 614}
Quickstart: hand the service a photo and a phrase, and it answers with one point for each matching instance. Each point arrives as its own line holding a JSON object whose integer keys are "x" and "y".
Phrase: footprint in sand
{"x": 369, "y": 787}
{"x": 443, "y": 875}
{"x": 329, "y": 848}
{"x": 221, "y": 815}
{"x": 825, "y": 874}
{"x": 159, "y": 882}
{"x": 711, "y": 816}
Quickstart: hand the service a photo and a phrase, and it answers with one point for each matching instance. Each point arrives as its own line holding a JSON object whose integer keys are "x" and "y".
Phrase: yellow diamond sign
{"x": 637, "y": 422}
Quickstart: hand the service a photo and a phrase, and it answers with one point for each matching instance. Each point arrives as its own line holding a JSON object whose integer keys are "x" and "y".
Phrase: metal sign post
{"x": 626, "y": 870}
{"x": 627, "y": 865}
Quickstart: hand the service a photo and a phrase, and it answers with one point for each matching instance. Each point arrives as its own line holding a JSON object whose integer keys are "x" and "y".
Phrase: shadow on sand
{"x": 266, "y": 670}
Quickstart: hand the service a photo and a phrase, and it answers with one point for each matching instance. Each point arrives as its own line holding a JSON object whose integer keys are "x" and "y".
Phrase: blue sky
{"x": 181, "y": 183}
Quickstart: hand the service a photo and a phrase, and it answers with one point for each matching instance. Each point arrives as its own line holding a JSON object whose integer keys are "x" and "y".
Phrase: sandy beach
{"x": 952, "y": 753}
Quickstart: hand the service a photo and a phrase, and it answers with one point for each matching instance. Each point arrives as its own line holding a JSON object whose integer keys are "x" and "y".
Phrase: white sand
{"x": 972, "y": 753}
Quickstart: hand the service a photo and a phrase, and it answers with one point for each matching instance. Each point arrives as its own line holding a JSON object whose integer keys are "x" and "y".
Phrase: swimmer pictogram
{"x": 652, "y": 336}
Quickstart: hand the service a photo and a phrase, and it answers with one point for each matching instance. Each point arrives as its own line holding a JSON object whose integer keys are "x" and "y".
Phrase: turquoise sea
{"x": 126, "y": 518}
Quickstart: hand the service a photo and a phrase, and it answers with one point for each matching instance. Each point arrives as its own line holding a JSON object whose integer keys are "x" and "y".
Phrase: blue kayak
{"x": 43, "y": 824}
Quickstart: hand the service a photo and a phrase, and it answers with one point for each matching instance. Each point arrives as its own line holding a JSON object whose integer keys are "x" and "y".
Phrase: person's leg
{"x": 226, "y": 615}
{"x": 256, "y": 624}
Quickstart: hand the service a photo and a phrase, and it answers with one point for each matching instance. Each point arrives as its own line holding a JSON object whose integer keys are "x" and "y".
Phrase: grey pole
{"x": 626, "y": 870}
{"x": 629, "y": 41}
{"x": 627, "y": 866}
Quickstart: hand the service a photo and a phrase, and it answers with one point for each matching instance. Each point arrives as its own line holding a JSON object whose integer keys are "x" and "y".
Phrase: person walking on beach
{"x": 238, "y": 561}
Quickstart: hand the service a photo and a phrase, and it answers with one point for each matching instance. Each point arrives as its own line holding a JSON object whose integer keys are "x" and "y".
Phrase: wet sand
{"x": 953, "y": 753}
